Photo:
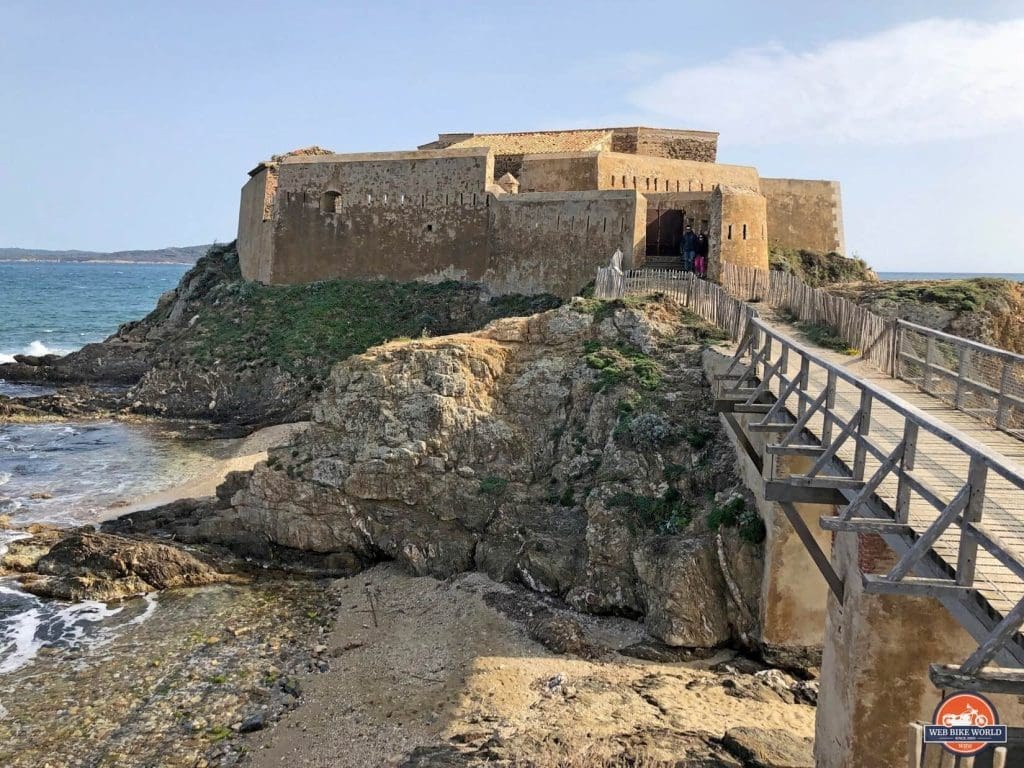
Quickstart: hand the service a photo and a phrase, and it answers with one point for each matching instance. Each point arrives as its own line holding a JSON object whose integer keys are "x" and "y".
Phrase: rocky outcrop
{"x": 575, "y": 451}
{"x": 248, "y": 355}
{"x": 989, "y": 310}
{"x": 85, "y": 565}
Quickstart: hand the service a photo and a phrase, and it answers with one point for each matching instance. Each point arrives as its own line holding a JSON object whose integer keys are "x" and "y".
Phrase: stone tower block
{"x": 738, "y": 229}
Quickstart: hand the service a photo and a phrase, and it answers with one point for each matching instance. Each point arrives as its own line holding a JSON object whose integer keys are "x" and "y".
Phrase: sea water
{"x": 71, "y": 472}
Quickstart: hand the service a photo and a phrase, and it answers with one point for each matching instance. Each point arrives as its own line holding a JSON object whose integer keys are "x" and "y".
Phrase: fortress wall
{"x": 555, "y": 242}
{"x": 738, "y": 230}
{"x": 558, "y": 172}
{"x": 403, "y": 216}
{"x": 804, "y": 214}
{"x": 369, "y": 177}
{"x": 699, "y": 146}
{"x": 660, "y": 174}
{"x": 255, "y": 244}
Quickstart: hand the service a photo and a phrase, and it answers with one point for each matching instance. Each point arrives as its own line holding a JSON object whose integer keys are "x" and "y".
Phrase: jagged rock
{"x": 560, "y": 634}
{"x": 769, "y": 748}
{"x": 654, "y": 650}
{"x": 82, "y": 565}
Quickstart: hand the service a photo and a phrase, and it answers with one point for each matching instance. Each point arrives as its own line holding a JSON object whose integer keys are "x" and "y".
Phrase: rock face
{"x": 83, "y": 565}
{"x": 574, "y": 451}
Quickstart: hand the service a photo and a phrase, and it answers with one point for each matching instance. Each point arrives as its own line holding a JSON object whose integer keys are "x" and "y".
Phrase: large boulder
{"x": 83, "y": 565}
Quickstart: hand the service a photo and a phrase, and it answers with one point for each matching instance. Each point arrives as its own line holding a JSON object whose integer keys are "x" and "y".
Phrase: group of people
{"x": 694, "y": 250}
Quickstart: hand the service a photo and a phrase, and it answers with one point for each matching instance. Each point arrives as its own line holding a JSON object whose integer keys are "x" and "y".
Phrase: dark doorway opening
{"x": 664, "y": 231}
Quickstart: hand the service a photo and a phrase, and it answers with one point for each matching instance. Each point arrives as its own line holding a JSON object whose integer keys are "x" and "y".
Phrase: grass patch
{"x": 304, "y": 328}
{"x": 736, "y": 514}
{"x": 969, "y": 295}
{"x": 622, "y": 363}
{"x": 493, "y": 486}
{"x": 827, "y": 337}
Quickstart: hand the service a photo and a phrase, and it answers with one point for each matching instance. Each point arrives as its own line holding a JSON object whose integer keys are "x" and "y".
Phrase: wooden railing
{"x": 983, "y": 381}
{"x": 828, "y": 413}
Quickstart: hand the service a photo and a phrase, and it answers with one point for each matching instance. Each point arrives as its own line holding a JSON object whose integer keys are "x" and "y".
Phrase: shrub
{"x": 735, "y": 513}
{"x": 493, "y": 486}
{"x": 650, "y": 431}
{"x": 618, "y": 364}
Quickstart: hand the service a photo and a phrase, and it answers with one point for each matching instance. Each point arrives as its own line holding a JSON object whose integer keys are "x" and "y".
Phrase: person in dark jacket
{"x": 688, "y": 248}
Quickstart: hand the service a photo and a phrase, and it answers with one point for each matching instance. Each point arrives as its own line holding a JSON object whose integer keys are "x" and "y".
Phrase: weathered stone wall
{"x": 618, "y": 170}
{"x": 255, "y": 230}
{"x": 804, "y": 213}
{"x": 562, "y": 172}
{"x": 404, "y": 216}
{"x": 554, "y": 242}
{"x": 701, "y": 146}
{"x": 738, "y": 230}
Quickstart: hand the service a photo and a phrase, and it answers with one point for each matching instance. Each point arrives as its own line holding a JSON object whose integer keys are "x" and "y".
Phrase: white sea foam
{"x": 85, "y": 625}
{"x": 36, "y": 348}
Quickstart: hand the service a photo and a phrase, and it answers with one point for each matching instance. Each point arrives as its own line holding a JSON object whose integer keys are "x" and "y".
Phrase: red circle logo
{"x": 965, "y": 711}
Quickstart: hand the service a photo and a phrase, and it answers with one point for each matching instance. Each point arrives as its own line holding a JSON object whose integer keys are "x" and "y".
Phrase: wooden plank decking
{"x": 940, "y": 465}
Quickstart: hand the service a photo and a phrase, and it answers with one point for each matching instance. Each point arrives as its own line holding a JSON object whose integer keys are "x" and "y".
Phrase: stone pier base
{"x": 874, "y": 677}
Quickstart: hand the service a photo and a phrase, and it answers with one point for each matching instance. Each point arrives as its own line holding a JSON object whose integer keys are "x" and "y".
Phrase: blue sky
{"x": 133, "y": 124}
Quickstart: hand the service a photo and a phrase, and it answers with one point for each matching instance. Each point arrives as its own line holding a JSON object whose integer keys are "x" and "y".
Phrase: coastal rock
{"x": 574, "y": 451}
{"x": 83, "y": 565}
{"x": 769, "y": 748}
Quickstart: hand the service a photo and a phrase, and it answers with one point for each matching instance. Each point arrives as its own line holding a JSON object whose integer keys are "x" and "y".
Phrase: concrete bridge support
{"x": 877, "y": 650}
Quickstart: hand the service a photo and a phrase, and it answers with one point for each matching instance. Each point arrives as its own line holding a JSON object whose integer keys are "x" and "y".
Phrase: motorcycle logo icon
{"x": 965, "y": 723}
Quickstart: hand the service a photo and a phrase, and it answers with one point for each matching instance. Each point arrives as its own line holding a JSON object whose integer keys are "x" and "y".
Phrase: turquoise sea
{"x": 58, "y": 307}
{"x": 71, "y": 472}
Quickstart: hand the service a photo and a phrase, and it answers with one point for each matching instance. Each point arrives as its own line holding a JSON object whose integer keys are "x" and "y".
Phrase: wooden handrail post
{"x": 830, "y": 403}
{"x": 906, "y": 465}
{"x": 966, "y": 560}
{"x": 805, "y": 373}
{"x": 1003, "y": 404}
{"x": 929, "y": 358}
{"x": 961, "y": 375}
{"x": 860, "y": 452}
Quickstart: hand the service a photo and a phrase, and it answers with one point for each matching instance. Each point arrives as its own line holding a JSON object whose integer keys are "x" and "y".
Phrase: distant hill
{"x": 186, "y": 254}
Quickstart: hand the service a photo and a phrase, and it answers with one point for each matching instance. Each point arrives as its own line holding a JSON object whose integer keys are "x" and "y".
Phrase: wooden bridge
{"x": 915, "y": 440}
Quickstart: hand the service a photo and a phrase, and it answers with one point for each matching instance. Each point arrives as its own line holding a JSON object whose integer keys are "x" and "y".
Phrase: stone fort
{"x": 521, "y": 212}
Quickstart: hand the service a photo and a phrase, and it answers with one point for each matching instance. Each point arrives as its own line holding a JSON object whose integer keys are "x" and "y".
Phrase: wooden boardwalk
{"x": 939, "y": 465}
{"x": 916, "y": 439}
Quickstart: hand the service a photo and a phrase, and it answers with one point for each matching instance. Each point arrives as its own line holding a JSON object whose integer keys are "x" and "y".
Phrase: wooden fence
{"x": 986, "y": 382}
{"x": 873, "y": 336}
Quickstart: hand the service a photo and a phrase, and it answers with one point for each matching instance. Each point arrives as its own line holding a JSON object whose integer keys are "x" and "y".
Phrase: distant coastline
{"x": 186, "y": 254}
{"x": 1014, "y": 276}
{"x": 90, "y": 261}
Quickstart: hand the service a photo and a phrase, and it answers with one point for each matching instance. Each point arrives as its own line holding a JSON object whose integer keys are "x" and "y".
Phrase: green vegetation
{"x": 956, "y": 295}
{"x": 827, "y": 337}
{"x": 304, "y": 328}
{"x": 697, "y": 435}
{"x": 219, "y": 732}
{"x": 620, "y": 364}
{"x": 218, "y": 679}
{"x": 736, "y": 514}
{"x": 493, "y": 486}
{"x": 666, "y": 513}
{"x": 818, "y": 269}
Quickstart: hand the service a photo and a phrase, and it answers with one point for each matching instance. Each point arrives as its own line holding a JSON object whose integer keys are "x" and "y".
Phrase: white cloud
{"x": 922, "y": 81}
